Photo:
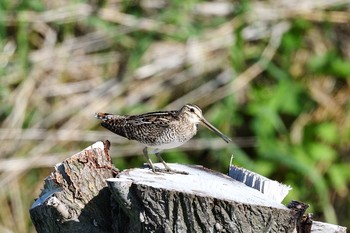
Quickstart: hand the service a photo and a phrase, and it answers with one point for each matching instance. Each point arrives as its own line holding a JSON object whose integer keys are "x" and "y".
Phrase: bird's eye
{"x": 191, "y": 109}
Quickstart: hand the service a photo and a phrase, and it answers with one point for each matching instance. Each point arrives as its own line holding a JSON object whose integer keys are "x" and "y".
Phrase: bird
{"x": 159, "y": 130}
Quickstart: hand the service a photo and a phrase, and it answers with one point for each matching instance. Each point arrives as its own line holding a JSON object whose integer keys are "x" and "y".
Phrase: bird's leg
{"x": 145, "y": 153}
{"x": 163, "y": 162}
{"x": 167, "y": 168}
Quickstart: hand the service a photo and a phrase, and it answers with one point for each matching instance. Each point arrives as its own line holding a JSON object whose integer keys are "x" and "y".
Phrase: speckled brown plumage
{"x": 159, "y": 130}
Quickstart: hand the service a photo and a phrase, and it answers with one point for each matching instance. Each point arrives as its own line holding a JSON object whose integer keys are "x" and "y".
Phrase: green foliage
{"x": 237, "y": 54}
{"x": 23, "y": 44}
{"x": 276, "y": 101}
{"x": 177, "y": 156}
{"x": 295, "y": 111}
{"x": 327, "y": 132}
{"x": 330, "y": 63}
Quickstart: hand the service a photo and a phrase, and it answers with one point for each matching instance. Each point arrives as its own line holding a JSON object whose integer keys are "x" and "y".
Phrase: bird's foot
{"x": 167, "y": 170}
{"x": 172, "y": 171}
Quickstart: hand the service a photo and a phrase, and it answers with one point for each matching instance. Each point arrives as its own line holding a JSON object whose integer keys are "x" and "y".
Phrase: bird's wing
{"x": 138, "y": 127}
{"x": 161, "y": 119}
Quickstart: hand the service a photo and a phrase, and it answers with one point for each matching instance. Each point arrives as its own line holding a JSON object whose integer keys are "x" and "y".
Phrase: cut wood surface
{"x": 82, "y": 195}
{"x": 321, "y": 227}
{"x": 202, "y": 201}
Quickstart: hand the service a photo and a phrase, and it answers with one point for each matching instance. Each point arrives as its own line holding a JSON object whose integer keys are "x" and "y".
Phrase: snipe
{"x": 159, "y": 130}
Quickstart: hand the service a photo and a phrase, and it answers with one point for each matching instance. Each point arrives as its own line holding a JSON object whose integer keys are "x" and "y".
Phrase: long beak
{"x": 215, "y": 130}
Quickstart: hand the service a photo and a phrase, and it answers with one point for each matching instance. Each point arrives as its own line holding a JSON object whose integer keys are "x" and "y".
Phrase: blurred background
{"x": 273, "y": 75}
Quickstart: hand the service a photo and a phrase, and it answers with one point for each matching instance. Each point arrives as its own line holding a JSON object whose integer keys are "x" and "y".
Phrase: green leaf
{"x": 320, "y": 63}
{"x": 288, "y": 95}
{"x": 265, "y": 168}
{"x": 322, "y": 152}
{"x": 340, "y": 68}
{"x": 277, "y": 72}
{"x": 330, "y": 63}
{"x": 328, "y": 132}
{"x": 338, "y": 177}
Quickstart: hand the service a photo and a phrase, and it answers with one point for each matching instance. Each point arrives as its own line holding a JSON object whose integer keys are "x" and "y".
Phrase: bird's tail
{"x": 109, "y": 118}
{"x": 114, "y": 123}
{"x": 102, "y": 116}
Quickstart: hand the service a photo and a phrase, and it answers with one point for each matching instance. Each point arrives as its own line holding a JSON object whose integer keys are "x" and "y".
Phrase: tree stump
{"x": 202, "y": 201}
{"x": 75, "y": 197}
{"x": 82, "y": 195}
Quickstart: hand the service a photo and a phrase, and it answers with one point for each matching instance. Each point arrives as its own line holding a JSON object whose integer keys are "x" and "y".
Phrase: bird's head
{"x": 194, "y": 114}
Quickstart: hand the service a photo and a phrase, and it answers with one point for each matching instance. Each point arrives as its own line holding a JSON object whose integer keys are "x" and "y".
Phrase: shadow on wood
{"x": 202, "y": 201}
{"x": 75, "y": 197}
{"x": 81, "y": 195}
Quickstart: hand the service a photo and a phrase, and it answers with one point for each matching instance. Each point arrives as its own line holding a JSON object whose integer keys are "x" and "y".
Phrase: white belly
{"x": 170, "y": 145}
{"x": 156, "y": 149}
{"x": 171, "y": 139}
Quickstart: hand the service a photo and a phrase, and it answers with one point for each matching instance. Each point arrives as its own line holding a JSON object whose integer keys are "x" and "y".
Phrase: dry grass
{"x": 65, "y": 62}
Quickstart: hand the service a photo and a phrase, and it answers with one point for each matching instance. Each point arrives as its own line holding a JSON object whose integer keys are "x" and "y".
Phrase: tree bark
{"x": 202, "y": 201}
{"x": 75, "y": 197}
{"x": 81, "y": 195}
